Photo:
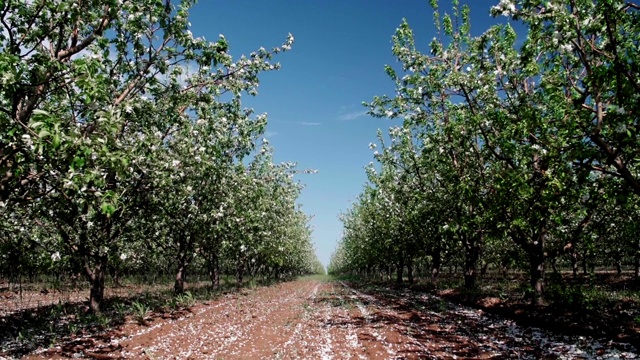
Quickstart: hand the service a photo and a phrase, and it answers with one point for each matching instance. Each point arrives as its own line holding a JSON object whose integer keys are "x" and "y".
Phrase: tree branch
{"x": 88, "y": 40}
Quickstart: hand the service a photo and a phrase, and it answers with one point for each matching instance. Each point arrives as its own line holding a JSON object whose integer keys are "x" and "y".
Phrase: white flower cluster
{"x": 504, "y": 8}
{"x": 287, "y": 45}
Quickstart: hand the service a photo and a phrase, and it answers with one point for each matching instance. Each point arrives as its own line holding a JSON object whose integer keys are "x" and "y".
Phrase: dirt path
{"x": 310, "y": 319}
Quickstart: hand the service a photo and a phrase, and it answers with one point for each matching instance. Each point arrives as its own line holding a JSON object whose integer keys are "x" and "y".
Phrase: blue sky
{"x": 314, "y": 102}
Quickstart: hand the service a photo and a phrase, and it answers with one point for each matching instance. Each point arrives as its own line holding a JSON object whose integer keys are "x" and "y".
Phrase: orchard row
{"x": 515, "y": 149}
{"x": 125, "y": 149}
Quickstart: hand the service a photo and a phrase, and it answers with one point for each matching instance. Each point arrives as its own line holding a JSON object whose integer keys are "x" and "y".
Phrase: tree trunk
{"x": 96, "y": 279}
{"x": 399, "y": 270}
{"x": 214, "y": 271}
{"x": 116, "y": 277}
{"x": 636, "y": 260}
{"x": 410, "y": 271}
{"x": 12, "y": 278}
{"x": 178, "y": 286}
{"x": 574, "y": 262}
{"x": 471, "y": 254}
{"x": 239, "y": 272}
{"x": 637, "y": 267}
{"x": 436, "y": 262}
{"x": 536, "y": 262}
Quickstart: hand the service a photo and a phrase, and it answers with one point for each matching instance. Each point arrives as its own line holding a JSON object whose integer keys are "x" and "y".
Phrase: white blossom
{"x": 565, "y": 48}
{"x": 505, "y": 8}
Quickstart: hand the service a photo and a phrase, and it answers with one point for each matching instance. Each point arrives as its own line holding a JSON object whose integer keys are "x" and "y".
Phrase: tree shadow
{"x": 434, "y": 340}
{"x": 75, "y": 329}
{"x": 422, "y": 327}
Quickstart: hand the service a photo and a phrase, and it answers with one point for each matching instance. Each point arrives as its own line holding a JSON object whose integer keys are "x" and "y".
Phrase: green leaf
{"x": 56, "y": 141}
{"x": 108, "y": 209}
{"x": 43, "y": 133}
{"x": 41, "y": 112}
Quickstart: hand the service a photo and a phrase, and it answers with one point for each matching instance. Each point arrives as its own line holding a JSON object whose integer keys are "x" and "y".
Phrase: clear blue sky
{"x": 314, "y": 102}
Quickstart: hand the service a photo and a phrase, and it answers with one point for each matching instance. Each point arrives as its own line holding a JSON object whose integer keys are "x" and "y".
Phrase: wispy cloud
{"x": 269, "y": 134}
{"x": 310, "y": 123}
{"x": 353, "y": 115}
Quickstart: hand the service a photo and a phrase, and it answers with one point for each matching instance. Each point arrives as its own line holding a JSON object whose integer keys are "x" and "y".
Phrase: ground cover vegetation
{"x": 513, "y": 151}
{"x": 125, "y": 151}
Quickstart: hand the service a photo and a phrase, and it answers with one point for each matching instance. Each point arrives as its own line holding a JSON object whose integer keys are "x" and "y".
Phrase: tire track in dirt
{"x": 224, "y": 329}
{"x": 342, "y": 324}
{"x": 313, "y": 339}
{"x": 423, "y": 333}
{"x": 271, "y": 331}
{"x": 326, "y": 352}
{"x": 449, "y": 330}
{"x": 297, "y": 335}
{"x": 381, "y": 337}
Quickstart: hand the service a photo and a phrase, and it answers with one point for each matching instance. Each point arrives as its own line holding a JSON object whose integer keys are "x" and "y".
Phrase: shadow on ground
{"x": 73, "y": 327}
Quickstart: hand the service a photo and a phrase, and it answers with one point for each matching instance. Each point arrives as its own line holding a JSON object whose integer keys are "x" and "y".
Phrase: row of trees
{"x": 507, "y": 150}
{"x": 124, "y": 145}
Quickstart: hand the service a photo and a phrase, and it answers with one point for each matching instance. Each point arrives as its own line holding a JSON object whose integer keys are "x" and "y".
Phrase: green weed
{"x": 140, "y": 312}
